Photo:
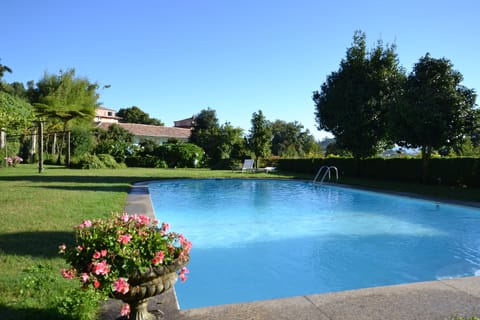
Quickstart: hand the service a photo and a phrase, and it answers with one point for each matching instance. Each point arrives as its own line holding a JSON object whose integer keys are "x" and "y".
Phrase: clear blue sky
{"x": 174, "y": 58}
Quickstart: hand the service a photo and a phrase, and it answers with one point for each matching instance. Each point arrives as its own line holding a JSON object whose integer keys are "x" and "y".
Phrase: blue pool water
{"x": 264, "y": 239}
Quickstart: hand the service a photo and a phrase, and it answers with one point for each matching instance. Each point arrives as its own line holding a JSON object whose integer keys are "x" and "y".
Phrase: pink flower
{"x": 181, "y": 239}
{"x": 165, "y": 226}
{"x": 67, "y": 274}
{"x": 187, "y": 245}
{"x": 84, "y": 277}
{"x": 87, "y": 223}
{"x": 158, "y": 259}
{"x": 103, "y": 253}
{"x": 125, "y": 310}
{"x": 62, "y": 248}
{"x": 183, "y": 273}
{"x": 79, "y": 248}
{"x": 121, "y": 285}
{"x": 142, "y": 219}
{"x": 125, "y": 238}
{"x": 96, "y": 284}
{"x": 101, "y": 268}
{"x": 97, "y": 255}
{"x": 125, "y": 218}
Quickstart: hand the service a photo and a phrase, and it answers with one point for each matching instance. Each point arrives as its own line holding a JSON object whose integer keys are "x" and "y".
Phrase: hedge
{"x": 449, "y": 171}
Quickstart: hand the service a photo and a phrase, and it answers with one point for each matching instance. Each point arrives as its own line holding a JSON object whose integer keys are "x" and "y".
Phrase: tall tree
{"x": 205, "y": 133}
{"x": 65, "y": 98}
{"x": 353, "y": 102}
{"x": 260, "y": 136}
{"x": 231, "y": 144}
{"x": 436, "y": 111}
{"x": 219, "y": 142}
{"x": 290, "y": 140}
{"x": 136, "y": 115}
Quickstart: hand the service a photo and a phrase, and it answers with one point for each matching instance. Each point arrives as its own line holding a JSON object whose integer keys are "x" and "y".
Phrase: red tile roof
{"x": 144, "y": 130}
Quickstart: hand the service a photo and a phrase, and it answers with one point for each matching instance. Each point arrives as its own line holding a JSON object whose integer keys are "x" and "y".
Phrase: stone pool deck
{"x": 443, "y": 299}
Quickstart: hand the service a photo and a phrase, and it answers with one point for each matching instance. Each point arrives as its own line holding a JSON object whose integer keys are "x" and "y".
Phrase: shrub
{"x": 82, "y": 141}
{"x": 87, "y": 161}
{"x": 78, "y": 304}
{"x": 110, "y": 162}
{"x": 183, "y": 155}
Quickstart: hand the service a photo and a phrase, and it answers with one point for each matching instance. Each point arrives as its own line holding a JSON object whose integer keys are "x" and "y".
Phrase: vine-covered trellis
{"x": 34, "y": 144}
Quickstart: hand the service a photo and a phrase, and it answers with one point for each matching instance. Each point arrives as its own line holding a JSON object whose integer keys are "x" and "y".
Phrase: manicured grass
{"x": 38, "y": 212}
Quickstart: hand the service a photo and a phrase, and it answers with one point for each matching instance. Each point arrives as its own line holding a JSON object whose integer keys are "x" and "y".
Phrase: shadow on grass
{"x": 95, "y": 183}
{"x": 11, "y": 313}
{"x": 73, "y": 179}
{"x": 36, "y": 244}
{"x": 88, "y": 188}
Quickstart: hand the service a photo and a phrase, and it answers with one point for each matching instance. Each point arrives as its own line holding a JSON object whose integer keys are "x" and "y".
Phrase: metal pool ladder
{"x": 326, "y": 172}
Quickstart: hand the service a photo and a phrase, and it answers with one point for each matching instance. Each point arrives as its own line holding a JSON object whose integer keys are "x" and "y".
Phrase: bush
{"x": 110, "y": 162}
{"x": 82, "y": 141}
{"x": 183, "y": 155}
{"x": 101, "y": 161}
{"x": 78, "y": 304}
{"x": 87, "y": 161}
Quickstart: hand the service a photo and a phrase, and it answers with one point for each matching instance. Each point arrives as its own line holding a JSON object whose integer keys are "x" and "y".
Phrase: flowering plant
{"x": 13, "y": 161}
{"x": 109, "y": 252}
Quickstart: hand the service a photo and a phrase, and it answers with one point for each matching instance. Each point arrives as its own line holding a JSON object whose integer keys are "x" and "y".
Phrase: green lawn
{"x": 38, "y": 212}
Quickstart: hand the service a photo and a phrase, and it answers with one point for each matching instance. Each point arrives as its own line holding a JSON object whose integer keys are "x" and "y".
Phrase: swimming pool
{"x": 265, "y": 239}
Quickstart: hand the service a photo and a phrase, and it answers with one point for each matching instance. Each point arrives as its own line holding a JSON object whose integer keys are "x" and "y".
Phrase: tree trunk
{"x": 67, "y": 161}
{"x": 33, "y": 146}
{"x": 60, "y": 149}
{"x": 2, "y": 139}
{"x": 54, "y": 145}
{"x": 40, "y": 147}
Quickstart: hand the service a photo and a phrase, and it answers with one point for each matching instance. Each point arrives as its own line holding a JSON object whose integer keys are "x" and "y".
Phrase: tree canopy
{"x": 64, "y": 98}
{"x": 135, "y": 115}
{"x": 16, "y": 114}
{"x": 436, "y": 110}
{"x": 220, "y": 142}
{"x": 290, "y": 140}
{"x": 260, "y": 136}
{"x": 353, "y": 101}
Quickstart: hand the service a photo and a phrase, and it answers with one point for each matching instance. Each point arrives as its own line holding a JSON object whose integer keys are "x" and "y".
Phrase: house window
{"x": 110, "y": 113}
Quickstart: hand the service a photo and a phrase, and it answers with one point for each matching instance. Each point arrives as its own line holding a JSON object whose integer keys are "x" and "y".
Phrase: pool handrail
{"x": 327, "y": 172}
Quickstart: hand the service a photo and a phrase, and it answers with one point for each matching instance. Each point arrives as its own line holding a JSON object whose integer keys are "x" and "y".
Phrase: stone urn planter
{"x": 127, "y": 257}
{"x": 145, "y": 285}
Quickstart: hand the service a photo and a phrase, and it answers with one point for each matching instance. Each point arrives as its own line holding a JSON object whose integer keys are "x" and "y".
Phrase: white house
{"x": 160, "y": 134}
